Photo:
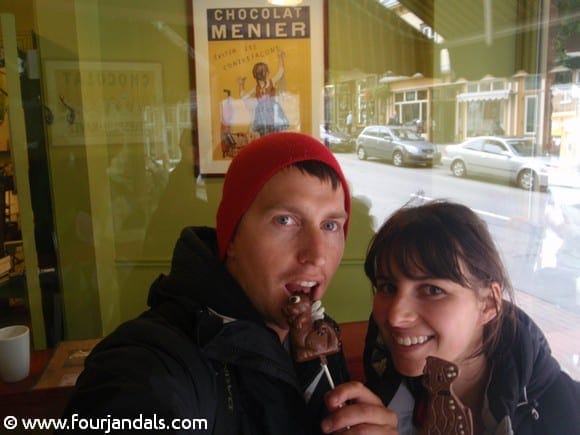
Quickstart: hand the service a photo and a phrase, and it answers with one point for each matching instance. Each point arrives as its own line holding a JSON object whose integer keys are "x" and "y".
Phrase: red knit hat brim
{"x": 255, "y": 164}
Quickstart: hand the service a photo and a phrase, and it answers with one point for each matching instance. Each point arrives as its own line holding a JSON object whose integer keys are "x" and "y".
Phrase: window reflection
{"x": 437, "y": 68}
{"x": 490, "y": 82}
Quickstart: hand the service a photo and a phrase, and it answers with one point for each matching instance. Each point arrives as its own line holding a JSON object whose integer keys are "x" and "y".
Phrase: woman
{"x": 440, "y": 289}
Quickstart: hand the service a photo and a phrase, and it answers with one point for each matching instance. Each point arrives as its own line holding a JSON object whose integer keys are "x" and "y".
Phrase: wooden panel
{"x": 353, "y": 340}
{"x": 43, "y": 403}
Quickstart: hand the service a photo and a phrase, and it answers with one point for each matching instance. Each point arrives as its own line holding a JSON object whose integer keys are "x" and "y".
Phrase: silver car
{"x": 401, "y": 145}
{"x": 507, "y": 158}
{"x": 335, "y": 139}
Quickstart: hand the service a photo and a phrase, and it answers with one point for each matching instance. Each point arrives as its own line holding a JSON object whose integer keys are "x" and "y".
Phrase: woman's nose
{"x": 401, "y": 309}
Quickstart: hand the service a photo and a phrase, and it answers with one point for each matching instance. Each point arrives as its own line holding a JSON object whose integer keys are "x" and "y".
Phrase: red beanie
{"x": 254, "y": 165}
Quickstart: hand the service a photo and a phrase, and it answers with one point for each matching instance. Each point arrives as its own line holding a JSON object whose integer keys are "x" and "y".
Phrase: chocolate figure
{"x": 446, "y": 415}
{"x": 310, "y": 338}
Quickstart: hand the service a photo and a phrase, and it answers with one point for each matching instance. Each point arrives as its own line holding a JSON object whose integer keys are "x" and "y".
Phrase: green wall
{"x": 117, "y": 213}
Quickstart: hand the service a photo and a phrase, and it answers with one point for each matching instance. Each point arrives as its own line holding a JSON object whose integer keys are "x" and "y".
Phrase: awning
{"x": 486, "y": 95}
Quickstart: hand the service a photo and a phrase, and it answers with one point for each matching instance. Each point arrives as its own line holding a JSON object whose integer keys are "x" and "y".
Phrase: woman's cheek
{"x": 380, "y": 309}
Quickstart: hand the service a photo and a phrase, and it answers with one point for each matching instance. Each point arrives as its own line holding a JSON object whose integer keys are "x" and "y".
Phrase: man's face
{"x": 290, "y": 240}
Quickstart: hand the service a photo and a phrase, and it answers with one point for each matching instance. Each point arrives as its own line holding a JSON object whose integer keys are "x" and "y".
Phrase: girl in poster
{"x": 269, "y": 116}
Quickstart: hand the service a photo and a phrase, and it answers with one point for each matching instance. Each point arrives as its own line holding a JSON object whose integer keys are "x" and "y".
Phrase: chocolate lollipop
{"x": 311, "y": 336}
{"x": 446, "y": 415}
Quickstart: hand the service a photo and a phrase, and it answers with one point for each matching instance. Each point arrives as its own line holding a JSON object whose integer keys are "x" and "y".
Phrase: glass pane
{"x": 114, "y": 143}
{"x": 492, "y": 86}
{"x": 533, "y": 82}
{"x": 531, "y": 114}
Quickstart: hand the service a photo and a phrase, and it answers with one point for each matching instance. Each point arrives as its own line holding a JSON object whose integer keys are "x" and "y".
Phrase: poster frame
{"x": 213, "y": 156}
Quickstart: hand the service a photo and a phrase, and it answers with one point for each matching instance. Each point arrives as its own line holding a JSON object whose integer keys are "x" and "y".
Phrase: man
{"x": 213, "y": 346}
{"x": 349, "y": 122}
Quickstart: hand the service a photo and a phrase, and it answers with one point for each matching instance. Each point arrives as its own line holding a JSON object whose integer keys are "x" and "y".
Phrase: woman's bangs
{"x": 420, "y": 252}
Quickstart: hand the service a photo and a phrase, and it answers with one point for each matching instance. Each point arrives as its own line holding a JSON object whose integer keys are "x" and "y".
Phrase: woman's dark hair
{"x": 445, "y": 240}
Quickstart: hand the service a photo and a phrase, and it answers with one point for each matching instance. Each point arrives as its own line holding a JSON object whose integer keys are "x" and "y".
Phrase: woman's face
{"x": 422, "y": 317}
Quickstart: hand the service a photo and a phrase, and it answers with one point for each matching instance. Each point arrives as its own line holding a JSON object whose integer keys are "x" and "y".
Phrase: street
{"x": 538, "y": 235}
{"x": 517, "y": 220}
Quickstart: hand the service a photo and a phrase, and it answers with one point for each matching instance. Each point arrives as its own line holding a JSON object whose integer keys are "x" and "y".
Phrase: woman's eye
{"x": 432, "y": 290}
{"x": 386, "y": 287}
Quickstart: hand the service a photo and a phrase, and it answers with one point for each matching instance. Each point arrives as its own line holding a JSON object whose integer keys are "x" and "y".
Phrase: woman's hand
{"x": 354, "y": 409}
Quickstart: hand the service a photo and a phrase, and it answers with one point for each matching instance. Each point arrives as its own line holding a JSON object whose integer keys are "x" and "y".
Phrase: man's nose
{"x": 313, "y": 247}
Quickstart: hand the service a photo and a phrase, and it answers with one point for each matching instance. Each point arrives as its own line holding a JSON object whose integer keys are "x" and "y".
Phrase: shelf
{"x": 13, "y": 286}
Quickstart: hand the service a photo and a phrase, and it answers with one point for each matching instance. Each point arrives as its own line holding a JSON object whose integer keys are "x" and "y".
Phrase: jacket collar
{"x": 227, "y": 326}
{"x": 197, "y": 274}
{"x": 522, "y": 372}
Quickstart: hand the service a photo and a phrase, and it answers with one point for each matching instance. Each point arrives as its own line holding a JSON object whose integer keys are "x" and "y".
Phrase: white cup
{"x": 14, "y": 353}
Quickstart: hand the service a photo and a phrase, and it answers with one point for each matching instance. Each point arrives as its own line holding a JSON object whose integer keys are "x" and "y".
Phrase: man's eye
{"x": 284, "y": 220}
{"x": 330, "y": 226}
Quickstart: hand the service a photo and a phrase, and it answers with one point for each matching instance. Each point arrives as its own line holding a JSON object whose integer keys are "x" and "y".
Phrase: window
{"x": 563, "y": 77}
{"x": 499, "y": 85}
{"x": 474, "y": 144}
{"x": 413, "y": 106}
{"x": 530, "y": 114}
{"x": 522, "y": 147}
{"x": 533, "y": 82}
{"x": 108, "y": 206}
{"x": 494, "y": 147}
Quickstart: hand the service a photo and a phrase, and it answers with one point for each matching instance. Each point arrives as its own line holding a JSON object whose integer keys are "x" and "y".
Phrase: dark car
{"x": 507, "y": 158}
{"x": 336, "y": 140}
{"x": 401, "y": 145}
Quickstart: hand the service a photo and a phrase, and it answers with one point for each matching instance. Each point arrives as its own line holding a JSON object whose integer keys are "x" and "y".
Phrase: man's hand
{"x": 354, "y": 409}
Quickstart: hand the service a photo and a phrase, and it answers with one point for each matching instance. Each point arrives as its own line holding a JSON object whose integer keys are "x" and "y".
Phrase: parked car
{"x": 335, "y": 139}
{"x": 508, "y": 158}
{"x": 401, "y": 145}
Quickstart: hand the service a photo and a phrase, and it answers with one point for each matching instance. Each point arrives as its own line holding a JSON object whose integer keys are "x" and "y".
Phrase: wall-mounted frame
{"x": 234, "y": 48}
{"x": 101, "y": 102}
{"x": 4, "y": 127}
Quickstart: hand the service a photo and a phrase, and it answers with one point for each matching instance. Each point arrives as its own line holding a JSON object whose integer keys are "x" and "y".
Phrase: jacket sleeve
{"x": 145, "y": 372}
{"x": 559, "y": 409}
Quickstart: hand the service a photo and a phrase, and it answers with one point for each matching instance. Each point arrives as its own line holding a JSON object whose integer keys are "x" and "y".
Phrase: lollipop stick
{"x": 329, "y": 377}
{"x": 326, "y": 371}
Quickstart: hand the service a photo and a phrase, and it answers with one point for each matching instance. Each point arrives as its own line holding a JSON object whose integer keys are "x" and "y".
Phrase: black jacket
{"x": 181, "y": 360}
{"x": 527, "y": 391}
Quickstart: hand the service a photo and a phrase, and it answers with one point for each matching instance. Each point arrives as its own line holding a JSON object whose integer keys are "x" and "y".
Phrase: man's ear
{"x": 231, "y": 249}
{"x": 491, "y": 302}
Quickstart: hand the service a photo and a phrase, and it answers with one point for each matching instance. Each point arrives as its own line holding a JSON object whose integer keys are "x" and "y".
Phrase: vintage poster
{"x": 259, "y": 69}
{"x": 101, "y": 102}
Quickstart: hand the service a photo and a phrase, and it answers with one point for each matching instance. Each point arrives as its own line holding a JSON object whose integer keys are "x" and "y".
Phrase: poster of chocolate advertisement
{"x": 259, "y": 69}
